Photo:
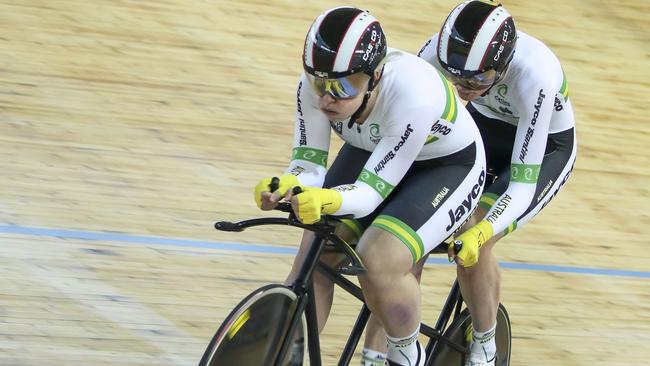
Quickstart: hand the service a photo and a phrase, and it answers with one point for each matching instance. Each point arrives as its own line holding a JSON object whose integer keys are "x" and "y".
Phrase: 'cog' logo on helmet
{"x": 502, "y": 46}
{"x": 321, "y": 74}
{"x": 368, "y": 55}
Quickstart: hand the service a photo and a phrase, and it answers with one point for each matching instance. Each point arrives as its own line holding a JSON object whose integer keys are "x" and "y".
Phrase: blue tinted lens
{"x": 341, "y": 88}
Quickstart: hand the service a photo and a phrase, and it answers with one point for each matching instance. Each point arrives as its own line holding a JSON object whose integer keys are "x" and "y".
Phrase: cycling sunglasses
{"x": 346, "y": 87}
{"x": 477, "y": 81}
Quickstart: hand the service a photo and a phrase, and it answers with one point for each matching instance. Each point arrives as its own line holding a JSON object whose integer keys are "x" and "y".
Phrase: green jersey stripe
{"x": 512, "y": 227}
{"x": 451, "y": 107}
{"x": 315, "y": 156}
{"x": 564, "y": 89}
{"x": 524, "y": 173}
{"x": 381, "y": 186}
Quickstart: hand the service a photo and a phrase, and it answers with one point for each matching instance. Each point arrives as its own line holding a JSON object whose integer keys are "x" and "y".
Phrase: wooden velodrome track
{"x": 127, "y": 127}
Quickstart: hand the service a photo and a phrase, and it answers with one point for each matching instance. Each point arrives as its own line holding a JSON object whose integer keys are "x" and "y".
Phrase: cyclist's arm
{"x": 388, "y": 163}
{"x": 311, "y": 138}
{"x": 428, "y": 52}
{"x": 535, "y": 100}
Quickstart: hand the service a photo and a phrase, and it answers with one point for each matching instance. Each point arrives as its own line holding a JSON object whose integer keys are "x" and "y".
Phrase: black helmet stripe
{"x": 329, "y": 35}
{"x": 445, "y": 32}
{"x": 322, "y": 53}
{"x": 475, "y": 36}
{"x": 342, "y": 41}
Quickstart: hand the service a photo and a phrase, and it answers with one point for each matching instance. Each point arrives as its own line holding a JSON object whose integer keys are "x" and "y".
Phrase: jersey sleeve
{"x": 535, "y": 98}
{"x": 311, "y": 138}
{"x": 428, "y": 52}
{"x": 388, "y": 163}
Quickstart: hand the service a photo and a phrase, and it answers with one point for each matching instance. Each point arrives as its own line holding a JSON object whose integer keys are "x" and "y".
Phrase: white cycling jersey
{"x": 416, "y": 116}
{"x": 533, "y": 96}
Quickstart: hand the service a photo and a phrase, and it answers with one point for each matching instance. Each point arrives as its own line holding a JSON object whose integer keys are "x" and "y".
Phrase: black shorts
{"x": 430, "y": 202}
{"x": 498, "y": 139}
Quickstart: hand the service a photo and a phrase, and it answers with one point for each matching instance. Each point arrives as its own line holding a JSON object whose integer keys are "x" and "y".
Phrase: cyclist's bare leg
{"x": 391, "y": 290}
{"x": 375, "y": 334}
{"x": 480, "y": 284}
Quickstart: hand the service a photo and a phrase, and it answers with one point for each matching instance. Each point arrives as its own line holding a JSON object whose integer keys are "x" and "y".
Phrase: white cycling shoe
{"x": 420, "y": 361}
{"x": 481, "y": 360}
{"x": 480, "y": 355}
{"x": 492, "y": 362}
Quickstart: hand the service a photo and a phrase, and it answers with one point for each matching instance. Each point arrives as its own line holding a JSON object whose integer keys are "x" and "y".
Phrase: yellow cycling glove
{"x": 472, "y": 240}
{"x": 313, "y": 202}
{"x": 287, "y": 182}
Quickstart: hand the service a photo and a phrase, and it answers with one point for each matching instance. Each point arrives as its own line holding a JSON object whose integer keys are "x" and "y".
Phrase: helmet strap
{"x": 500, "y": 74}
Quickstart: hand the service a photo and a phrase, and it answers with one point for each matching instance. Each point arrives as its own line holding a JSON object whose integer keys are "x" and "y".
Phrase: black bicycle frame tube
{"x": 341, "y": 281}
{"x": 452, "y": 305}
{"x": 443, "y": 319}
{"x": 307, "y": 304}
{"x": 313, "y": 336}
{"x": 304, "y": 278}
{"x": 303, "y": 288}
{"x": 296, "y": 319}
{"x": 364, "y": 313}
{"x": 355, "y": 336}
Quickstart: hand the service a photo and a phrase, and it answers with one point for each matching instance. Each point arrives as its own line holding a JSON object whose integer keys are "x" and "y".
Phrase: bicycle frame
{"x": 450, "y": 310}
{"x": 303, "y": 288}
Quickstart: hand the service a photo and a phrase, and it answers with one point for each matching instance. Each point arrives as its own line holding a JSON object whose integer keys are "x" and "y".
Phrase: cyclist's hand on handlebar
{"x": 267, "y": 196}
{"x": 312, "y": 202}
{"x": 471, "y": 240}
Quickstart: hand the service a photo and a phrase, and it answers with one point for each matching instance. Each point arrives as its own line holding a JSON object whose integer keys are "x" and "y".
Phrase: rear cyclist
{"x": 412, "y": 155}
{"x": 518, "y": 96}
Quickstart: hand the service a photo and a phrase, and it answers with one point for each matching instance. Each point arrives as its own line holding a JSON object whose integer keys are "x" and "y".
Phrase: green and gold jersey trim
{"x": 431, "y": 139}
{"x": 564, "y": 89}
{"x": 451, "y": 107}
{"x": 512, "y": 227}
{"x": 381, "y": 186}
{"x": 318, "y": 157}
{"x": 487, "y": 200}
{"x": 354, "y": 226}
{"x": 524, "y": 173}
{"x": 403, "y": 232}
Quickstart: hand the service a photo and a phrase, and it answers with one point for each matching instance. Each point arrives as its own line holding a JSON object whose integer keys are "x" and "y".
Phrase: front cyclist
{"x": 519, "y": 99}
{"x": 410, "y": 172}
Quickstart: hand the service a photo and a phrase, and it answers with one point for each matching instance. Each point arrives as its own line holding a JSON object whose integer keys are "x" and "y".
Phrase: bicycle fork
{"x": 304, "y": 289}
